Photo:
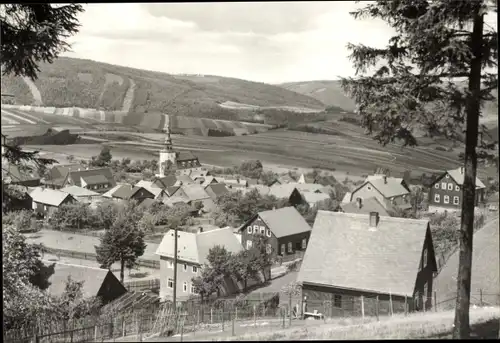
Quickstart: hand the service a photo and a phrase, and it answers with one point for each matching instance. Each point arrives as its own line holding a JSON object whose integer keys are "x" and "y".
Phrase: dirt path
{"x": 34, "y": 91}
{"x": 129, "y": 97}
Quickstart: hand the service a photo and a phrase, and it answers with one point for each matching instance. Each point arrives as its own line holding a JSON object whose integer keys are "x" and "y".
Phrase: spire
{"x": 168, "y": 140}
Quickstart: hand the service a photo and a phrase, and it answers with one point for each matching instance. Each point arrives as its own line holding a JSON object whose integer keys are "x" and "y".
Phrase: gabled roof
{"x": 171, "y": 190}
{"x": 126, "y": 192}
{"x": 146, "y": 184}
{"x": 312, "y": 197}
{"x": 218, "y": 189}
{"x": 343, "y": 252}
{"x": 79, "y": 191}
{"x": 458, "y": 176}
{"x": 62, "y": 170}
{"x": 185, "y": 179}
{"x": 209, "y": 180}
{"x": 166, "y": 181}
{"x": 109, "y": 194}
{"x": 195, "y": 192}
{"x": 194, "y": 247}
{"x": 92, "y": 278}
{"x": 48, "y": 196}
{"x": 284, "y": 222}
{"x": 282, "y": 191}
{"x": 93, "y": 176}
{"x": 367, "y": 205}
{"x": 95, "y": 179}
{"x": 390, "y": 187}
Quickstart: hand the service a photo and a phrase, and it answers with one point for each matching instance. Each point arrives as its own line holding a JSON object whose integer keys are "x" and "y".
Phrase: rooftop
{"x": 388, "y": 186}
{"x": 345, "y": 252}
{"x": 367, "y": 205}
{"x": 458, "y": 176}
{"x": 79, "y": 191}
{"x": 285, "y": 221}
{"x": 48, "y": 196}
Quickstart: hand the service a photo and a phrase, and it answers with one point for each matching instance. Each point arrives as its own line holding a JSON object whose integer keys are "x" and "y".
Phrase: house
{"x": 165, "y": 182}
{"x": 445, "y": 193}
{"x": 192, "y": 255}
{"x": 366, "y": 206}
{"x": 314, "y": 198}
{"x": 366, "y": 255}
{"x": 158, "y": 193}
{"x": 388, "y": 190}
{"x": 128, "y": 192}
{"x": 185, "y": 180}
{"x": 196, "y": 194}
{"x": 215, "y": 190}
{"x": 97, "y": 282}
{"x": 289, "y": 192}
{"x": 306, "y": 179}
{"x": 286, "y": 229}
{"x": 45, "y": 200}
{"x": 100, "y": 179}
{"x": 174, "y": 190}
{"x": 209, "y": 180}
{"x": 286, "y": 178}
{"x": 14, "y": 175}
{"x": 81, "y": 194}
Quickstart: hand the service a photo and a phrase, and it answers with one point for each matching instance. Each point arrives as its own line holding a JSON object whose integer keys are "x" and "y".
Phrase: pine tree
{"x": 418, "y": 82}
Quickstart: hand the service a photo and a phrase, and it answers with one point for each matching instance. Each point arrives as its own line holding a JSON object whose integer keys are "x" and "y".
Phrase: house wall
{"x": 142, "y": 194}
{"x": 368, "y": 191}
{"x": 296, "y": 241}
{"x": 46, "y": 210}
{"x": 258, "y": 226}
{"x": 167, "y": 271}
{"x": 336, "y": 302}
{"x": 424, "y": 286}
{"x": 456, "y": 191}
{"x": 111, "y": 289}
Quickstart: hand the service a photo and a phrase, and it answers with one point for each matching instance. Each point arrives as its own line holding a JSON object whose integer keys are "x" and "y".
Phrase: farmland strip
{"x": 26, "y": 120}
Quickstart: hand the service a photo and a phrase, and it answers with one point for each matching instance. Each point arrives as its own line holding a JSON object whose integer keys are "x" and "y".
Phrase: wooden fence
{"x": 92, "y": 257}
{"x": 143, "y": 285}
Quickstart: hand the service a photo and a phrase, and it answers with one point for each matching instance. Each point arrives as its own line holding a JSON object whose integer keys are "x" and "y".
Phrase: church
{"x": 182, "y": 162}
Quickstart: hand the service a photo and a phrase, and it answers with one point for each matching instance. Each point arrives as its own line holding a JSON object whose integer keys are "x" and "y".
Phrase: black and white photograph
{"x": 250, "y": 171}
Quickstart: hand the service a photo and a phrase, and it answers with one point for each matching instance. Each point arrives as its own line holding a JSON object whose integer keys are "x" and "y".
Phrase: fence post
{"x": 95, "y": 333}
{"x": 222, "y": 311}
{"x": 406, "y": 305}
{"x": 363, "y": 308}
{"x": 211, "y": 315}
{"x": 139, "y": 322}
{"x": 377, "y": 309}
{"x": 254, "y": 317}
{"x": 123, "y": 326}
{"x": 236, "y": 313}
{"x": 232, "y": 325}
{"x": 390, "y": 304}
{"x": 283, "y": 316}
{"x": 435, "y": 302}
{"x": 481, "y": 297}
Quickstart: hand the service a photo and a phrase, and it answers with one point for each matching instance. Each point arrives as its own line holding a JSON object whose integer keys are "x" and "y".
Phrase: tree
{"x": 34, "y": 33}
{"x": 416, "y": 86}
{"x": 123, "y": 242}
{"x": 75, "y": 216}
{"x": 106, "y": 213}
{"x": 218, "y": 259}
{"x": 104, "y": 158}
{"x": 22, "y": 221}
{"x": 252, "y": 169}
{"x": 204, "y": 285}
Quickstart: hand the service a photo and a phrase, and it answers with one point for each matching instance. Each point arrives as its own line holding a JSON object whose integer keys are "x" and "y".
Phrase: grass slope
{"x": 485, "y": 270}
{"x": 88, "y": 84}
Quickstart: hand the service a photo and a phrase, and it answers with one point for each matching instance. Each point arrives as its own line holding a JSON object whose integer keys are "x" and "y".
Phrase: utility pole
{"x": 175, "y": 268}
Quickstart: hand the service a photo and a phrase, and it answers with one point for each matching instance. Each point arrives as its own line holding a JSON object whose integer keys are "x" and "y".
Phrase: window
{"x": 45, "y": 207}
{"x": 34, "y": 205}
{"x": 457, "y": 188}
{"x": 185, "y": 287}
{"x": 262, "y": 230}
{"x": 268, "y": 249}
{"x": 170, "y": 264}
{"x": 447, "y": 176}
{"x": 185, "y": 267}
{"x": 337, "y": 301}
{"x": 304, "y": 244}
{"x": 446, "y": 199}
{"x": 195, "y": 269}
{"x": 436, "y": 185}
{"x": 256, "y": 229}
{"x": 282, "y": 249}
{"x": 443, "y": 185}
{"x": 268, "y": 233}
{"x": 424, "y": 258}
{"x": 290, "y": 248}
{"x": 450, "y": 186}
{"x": 436, "y": 198}
{"x": 249, "y": 244}
{"x": 249, "y": 229}
{"x": 170, "y": 283}
{"x": 369, "y": 188}
{"x": 193, "y": 289}
{"x": 455, "y": 200}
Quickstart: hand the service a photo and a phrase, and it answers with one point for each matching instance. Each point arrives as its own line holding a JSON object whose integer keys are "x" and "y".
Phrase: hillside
{"x": 70, "y": 82}
{"x": 485, "y": 270}
{"x": 328, "y": 92}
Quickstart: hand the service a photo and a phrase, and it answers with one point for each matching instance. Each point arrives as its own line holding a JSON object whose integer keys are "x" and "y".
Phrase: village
{"x": 329, "y": 242}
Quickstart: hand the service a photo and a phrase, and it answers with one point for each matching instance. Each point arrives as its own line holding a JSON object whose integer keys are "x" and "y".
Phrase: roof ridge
{"x": 361, "y": 215}
{"x": 201, "y": 233}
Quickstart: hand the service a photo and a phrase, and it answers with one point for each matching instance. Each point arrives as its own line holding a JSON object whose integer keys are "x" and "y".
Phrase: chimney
{"x": 200, "y": 229}
{"x": 374, "y": 219}
{"x": 359, "y": 202}
{"x": 385, "y": 179}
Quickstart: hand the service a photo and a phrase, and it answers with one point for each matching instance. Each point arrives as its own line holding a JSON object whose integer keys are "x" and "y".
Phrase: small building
{"x": 99, "y": 179}
{"x": 209, "y": 180}
{"x": 81, "y": 194}
{"x": 128, "y": 192}
{"x": 388, "y": 190}
{"x": 196, "y": 194}
{"x": 165, "y": 181}
{"x": 289, "y": 192}
{"x": 351, "y": 257}
{"x": 192, "y": 255}
{"x": 445, "y": 193}
{"x": 97, "y": 282}
{"x": 366, "y": 206}
{"x": 215, "y": 190}
{"x": 45, "y": 201}
{"x": 58, "y": 174}
{"x": 286, "y": 229}
{"x": 159, "y": 193}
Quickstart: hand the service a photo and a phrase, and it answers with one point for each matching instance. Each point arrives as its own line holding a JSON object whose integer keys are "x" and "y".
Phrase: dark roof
{"x": 344, "y": 252}
{"x": 284, "y": 222}
{"x": 185, "y": 156}
{"x": 126, "y": 192}
{"x": 218, "y": 189}
{"x": 95, "y": 179}
{"x": 62, "y": 170}
{"x": 102, "y": 173}
{"x": 171, "y": 190}
{"x": 166, "y": 181}
{"x": 367, "y": 205}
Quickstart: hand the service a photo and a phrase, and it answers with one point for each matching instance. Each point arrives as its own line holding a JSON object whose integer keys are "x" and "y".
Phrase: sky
{"x": 265, "y": 42}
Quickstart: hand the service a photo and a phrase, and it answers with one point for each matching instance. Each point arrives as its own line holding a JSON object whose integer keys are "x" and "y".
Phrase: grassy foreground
{"x": 484, "y": 323}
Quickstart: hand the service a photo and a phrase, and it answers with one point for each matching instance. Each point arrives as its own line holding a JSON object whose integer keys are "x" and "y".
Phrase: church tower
{"x": 167, "y": 153}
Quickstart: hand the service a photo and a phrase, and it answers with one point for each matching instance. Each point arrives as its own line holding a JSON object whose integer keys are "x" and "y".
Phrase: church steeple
{"x": 168, "y": 139}
{"x": 167, "y": 153}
